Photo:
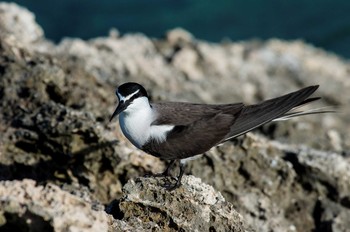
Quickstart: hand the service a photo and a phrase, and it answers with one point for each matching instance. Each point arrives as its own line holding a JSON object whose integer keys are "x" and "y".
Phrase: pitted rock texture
{"x": 192, "y": 207}
{"x": 26, "y": 206}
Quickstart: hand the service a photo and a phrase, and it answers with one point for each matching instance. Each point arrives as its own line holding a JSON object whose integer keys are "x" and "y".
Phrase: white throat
{"x": 135, "y": 122}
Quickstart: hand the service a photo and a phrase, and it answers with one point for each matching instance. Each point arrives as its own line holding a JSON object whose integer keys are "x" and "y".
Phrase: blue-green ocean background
{"x": 324, "y": 23}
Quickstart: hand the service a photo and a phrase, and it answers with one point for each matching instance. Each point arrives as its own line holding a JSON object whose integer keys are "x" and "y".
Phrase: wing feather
{"x": 183, "y": 113}
{"x": 256, "y": 115}
{"x": 188, "y": 140}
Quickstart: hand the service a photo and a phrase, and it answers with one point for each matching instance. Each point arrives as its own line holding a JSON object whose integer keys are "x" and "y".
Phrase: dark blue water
{"x": 324, "y": 23}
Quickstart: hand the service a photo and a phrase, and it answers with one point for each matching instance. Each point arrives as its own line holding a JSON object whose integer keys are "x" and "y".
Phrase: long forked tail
{"x": 274, "y": 109}
{"x": 292, "y": 114}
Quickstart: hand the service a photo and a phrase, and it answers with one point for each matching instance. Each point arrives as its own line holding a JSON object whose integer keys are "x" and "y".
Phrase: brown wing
{"x": 182, "y": 113}
{"x": 188, "y": 140}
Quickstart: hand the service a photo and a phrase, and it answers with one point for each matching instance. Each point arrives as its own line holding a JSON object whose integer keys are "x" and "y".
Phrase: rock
{"x": 178, "y": 36}
{"x": 19, "y": 23}
{"x": 18, "y": 26}
{"x": 277, "y": 186}
{"x": 56, "y": 100}
{"x": 26, "y": 206}
{"x": 193, "y": 207}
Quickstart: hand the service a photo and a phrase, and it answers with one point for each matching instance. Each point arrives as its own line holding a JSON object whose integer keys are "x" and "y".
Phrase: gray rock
{"x": 25, "y": 206}
{"x": 20, "y": 23}
{"x": 278, "y": 187}
{"x": 145, "y": 206}
{"x": 193, "y": 207}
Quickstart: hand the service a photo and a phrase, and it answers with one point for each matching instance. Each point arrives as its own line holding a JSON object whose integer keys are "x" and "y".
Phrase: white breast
{"x": 159, "y": 132}
{"x": 135, "y": 127}
{"x": 135, "y": 123}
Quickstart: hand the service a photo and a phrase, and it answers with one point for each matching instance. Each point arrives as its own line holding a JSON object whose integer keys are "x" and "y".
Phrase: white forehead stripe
{"x": 122, "y": 98}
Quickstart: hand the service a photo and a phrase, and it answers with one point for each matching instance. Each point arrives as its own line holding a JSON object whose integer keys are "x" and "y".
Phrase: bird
{"x": 179, "y": 131}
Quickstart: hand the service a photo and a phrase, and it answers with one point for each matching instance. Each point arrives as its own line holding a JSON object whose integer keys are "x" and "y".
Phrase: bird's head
{"x": 132, "y": 96}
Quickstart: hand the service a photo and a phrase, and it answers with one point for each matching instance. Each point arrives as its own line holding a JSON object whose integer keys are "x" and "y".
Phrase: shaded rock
{"x": 278, "y": 187}
{"x": 193, "y": 207}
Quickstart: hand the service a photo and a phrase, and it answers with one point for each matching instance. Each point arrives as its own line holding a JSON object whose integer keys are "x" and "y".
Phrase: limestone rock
{"x": 26, "y": 206}
{"x": 192, "y": 207}
{"x": 18, "y": 24}
{"x": 279, "y": 187}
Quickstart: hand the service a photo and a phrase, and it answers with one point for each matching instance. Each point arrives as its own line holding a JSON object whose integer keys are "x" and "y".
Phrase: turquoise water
{"x": 324, "y": 23}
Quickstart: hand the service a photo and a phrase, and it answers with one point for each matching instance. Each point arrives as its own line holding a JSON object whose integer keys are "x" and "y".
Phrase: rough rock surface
{"x": 193, "y": 207}
{"x": 280, "y": 187}
{"x": 28, "y": 207}
{"x": 55, "y": 103}
{"x": 19, "y": 23}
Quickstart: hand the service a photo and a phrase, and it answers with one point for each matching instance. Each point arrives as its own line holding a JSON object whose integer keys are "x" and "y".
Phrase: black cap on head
{"x": 131, "y": 87}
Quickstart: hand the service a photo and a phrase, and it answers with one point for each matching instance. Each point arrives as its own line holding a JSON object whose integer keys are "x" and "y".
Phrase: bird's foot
{"x": 169, "y": 179}
{"x": 170, "y": 186}
{"x": 148, "y": 175}
{"x": 168, "y": 182}
{"x": 156, "y": 175}
{"x": 166, "y": 172}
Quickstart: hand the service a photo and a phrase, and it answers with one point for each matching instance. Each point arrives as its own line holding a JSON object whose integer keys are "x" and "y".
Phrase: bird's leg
{"x": 177, "y": 184}
{"x": 166, "y": 172}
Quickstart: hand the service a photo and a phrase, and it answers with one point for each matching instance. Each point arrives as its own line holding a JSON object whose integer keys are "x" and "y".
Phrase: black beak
{"x": 121, "y": 106}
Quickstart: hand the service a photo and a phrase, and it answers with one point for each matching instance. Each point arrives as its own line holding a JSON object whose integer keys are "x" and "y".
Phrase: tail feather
{"x": 256, "y": 115}
{"x": 307, "y": 101}
{"x": 321, "y": 110}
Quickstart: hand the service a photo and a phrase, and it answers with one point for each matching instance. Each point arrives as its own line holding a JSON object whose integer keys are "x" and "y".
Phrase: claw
{"x": 166, "y": 172}
{"x": 168, "y": 185}
{"x": 149, "y": 175}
